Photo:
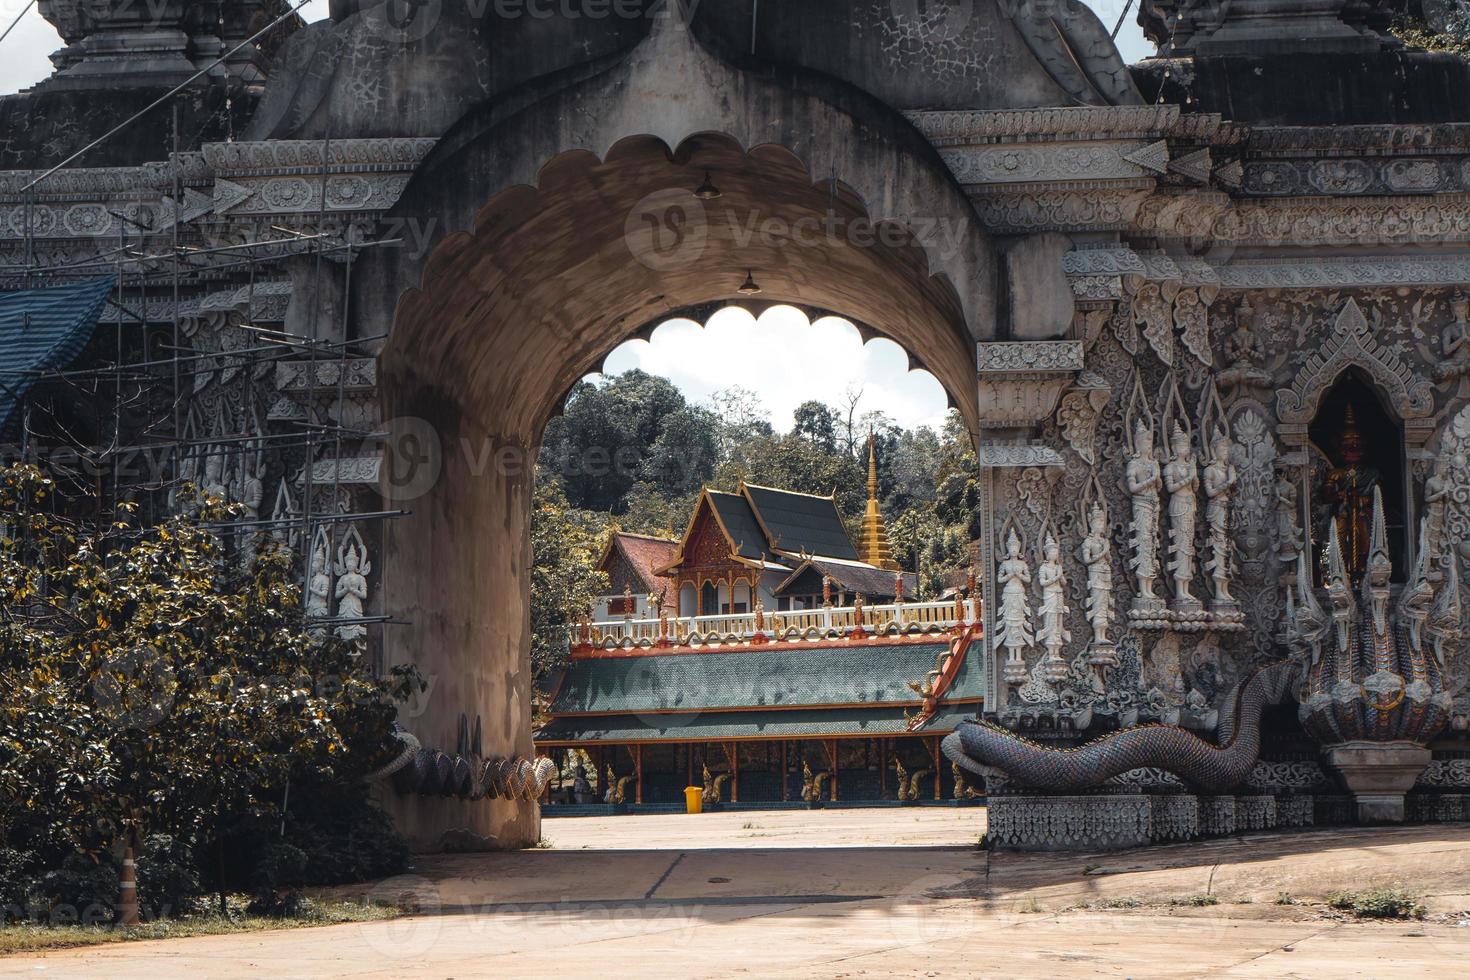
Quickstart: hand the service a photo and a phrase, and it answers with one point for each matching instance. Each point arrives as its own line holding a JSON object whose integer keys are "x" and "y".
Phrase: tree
{"x": 817, "y": 424}
{"x": 741, "y": 417}
{"x": 1437, "y": 25}
{"x": 682, "y": 459}
{"x": 152, "y": 683}
{"x": 565, "y": 582}
{"x": 598, "y": 446}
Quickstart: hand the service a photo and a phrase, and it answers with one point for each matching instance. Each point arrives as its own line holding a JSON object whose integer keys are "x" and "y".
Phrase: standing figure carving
{"x": 1436, "y": 492}
{"x": 1348, "y": 494}
{"x": 1181, "y": 480}
{"x": 319, "y": 586}
{"x": 1144, "y": 482}
{"x": 352, "y": 593}
{"x": 1220, "y": 478}
{"x": 1014, "y": 629}
{"x": 1097, "y": 556}
{"x": 1053, "y": 633}
{"x": 1287, "y": 533}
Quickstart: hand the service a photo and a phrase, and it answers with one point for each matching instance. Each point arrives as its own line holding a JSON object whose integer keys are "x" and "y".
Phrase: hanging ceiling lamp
{"x": 707, "y": 191}
{"x": 749, "y": 287}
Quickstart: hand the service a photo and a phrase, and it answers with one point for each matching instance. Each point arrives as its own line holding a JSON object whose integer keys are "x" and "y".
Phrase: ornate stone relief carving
{"x": 1078, "y": 414}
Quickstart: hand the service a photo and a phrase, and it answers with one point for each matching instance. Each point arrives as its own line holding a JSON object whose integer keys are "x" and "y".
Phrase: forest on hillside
{"x": 630, "y": 452}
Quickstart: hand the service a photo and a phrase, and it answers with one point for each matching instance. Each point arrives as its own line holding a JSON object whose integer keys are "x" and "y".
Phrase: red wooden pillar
{"x": 934, "y": 754}
{"x": 637, "y": 773}
{"x": 832, "y": 754}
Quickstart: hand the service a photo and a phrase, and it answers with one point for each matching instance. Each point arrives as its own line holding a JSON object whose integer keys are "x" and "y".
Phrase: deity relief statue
{"x": 1244, "y": 353}
{"x": 1144, "y": 482}
{"x": 319, "y": 586}
{"x": 1347, "y": 492}
{"x": 1220, "y": 478}
{"x": 1436, "y": 493}
{"x": 1097, "y": 556}
{"x": 1053, "y": 633}
{"x": 352, "y": 593}
{"x": 1287, "y": 533}
{"x": 1455, "y": 342}
{"x": 1013, "y": 631}
{"x": 1181, "y": 480}
{"x": 213, "y": 484}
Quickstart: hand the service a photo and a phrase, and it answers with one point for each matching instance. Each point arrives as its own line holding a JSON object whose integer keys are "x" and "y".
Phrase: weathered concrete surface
{"x": 559, "y": 231}
{"x": 783, "y": 894}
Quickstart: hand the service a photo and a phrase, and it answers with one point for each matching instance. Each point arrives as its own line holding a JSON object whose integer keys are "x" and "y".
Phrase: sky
{"x": 782, "y": 357}
{"x": 786, "y": 360}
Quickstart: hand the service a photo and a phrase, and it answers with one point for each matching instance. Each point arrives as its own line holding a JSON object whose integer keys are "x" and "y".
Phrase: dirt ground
{"x": 882, "y": 892}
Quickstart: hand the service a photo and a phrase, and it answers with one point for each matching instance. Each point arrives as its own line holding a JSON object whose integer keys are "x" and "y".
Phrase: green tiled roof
{"x": 860, "y": 674}
{"x": 716, "y": 725}
{"x": 802, "y": 524}
{"x": 747, "y": 678}
{"x": 44, "y": 329}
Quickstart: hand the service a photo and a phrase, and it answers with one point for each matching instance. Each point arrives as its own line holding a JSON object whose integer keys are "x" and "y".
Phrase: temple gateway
{"x": 1207, "y": 318}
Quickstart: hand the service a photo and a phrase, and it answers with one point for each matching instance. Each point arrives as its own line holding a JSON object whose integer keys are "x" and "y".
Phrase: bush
{"x": 279, "y": 873}
{"x": 1377, "y": 903}
{"x": 83, "y": 890}
{"x": 17, "y": 883}
{"x": 168, "y": 878}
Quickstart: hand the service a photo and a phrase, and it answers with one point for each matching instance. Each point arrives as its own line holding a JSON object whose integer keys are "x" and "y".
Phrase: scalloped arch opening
{"x": 506, "y": 319}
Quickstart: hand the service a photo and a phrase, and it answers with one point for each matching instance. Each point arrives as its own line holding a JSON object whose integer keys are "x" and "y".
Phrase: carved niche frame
{"x": 1408, "y": 397}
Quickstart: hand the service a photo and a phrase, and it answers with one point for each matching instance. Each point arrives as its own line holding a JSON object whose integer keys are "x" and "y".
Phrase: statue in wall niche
{"x": 1097, "y": 556}
{"x": 1181, "y": 480}
{"x": 1013, "y": 630}
{"x": 1347, "y": 492}
{"x": 1144, "y": 482}
{"x": 352, "y": 593}
{"x": 1220, "y": 478}
{"x": 1287, "y": 533}
{"x": 1053, "y": 633}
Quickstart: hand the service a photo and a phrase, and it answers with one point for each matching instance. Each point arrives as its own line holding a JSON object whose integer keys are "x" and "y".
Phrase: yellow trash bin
{"x": 694, "y": 799}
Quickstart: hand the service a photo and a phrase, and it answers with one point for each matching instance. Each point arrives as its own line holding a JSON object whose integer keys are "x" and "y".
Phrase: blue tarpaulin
{"x": 43, "y": 330}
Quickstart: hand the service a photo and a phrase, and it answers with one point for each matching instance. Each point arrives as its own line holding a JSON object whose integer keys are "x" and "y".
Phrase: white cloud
{"x": 786, "y": 359}
{"x": 23, "y": 57}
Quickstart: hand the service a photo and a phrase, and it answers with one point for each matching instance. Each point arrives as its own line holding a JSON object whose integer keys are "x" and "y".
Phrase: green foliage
{"x": 154, "y": 688}
{"x": 1377, "y": 903}
{"x": 565, "y": 583}
{"x": 168, "y": 877}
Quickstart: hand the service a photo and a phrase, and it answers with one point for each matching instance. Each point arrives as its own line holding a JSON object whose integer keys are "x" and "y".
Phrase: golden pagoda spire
{"x": 873, "y": 544}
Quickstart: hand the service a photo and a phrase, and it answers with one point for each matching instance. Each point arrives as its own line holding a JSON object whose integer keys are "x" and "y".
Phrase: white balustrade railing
{"x": 892, "y": 619}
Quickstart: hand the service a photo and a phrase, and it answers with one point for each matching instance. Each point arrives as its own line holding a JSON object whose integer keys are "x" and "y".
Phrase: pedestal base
{"x": 1378, "y": 774}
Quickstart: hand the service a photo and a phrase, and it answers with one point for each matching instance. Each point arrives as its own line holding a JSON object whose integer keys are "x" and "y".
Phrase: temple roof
{"x": 747, "y": 724}
{"x": 800, "y": 523}
{"x": 740, "y": 523}
{"x": 646, "y": 554}
{"x": 850, "y": 577}
{"x": 45, "y": 329}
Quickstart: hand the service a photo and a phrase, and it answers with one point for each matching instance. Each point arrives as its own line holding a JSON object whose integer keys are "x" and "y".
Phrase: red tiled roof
{"x": 646, "y": 554}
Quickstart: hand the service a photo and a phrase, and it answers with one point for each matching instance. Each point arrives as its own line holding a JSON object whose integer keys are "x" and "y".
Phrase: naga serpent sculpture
{"x": 1214, "y": 768}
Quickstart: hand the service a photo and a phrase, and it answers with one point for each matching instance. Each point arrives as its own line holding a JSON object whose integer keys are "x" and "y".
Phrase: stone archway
{"x": 575, "y": 252}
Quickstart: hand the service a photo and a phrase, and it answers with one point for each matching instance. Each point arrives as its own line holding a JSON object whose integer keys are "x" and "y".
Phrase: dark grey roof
{"x": 44, "y": 329}
{"x": 855, "y": 674}
{"x": 758, "y": 723}
{"x": 801, "y": 523}
{"x": 871, "y": 582}
{"x": 745, "y": 530}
